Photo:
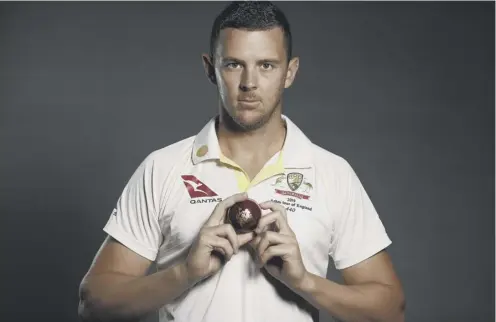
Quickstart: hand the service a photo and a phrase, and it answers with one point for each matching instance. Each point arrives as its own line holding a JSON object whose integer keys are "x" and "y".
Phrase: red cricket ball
{"x": 244, "y": 215}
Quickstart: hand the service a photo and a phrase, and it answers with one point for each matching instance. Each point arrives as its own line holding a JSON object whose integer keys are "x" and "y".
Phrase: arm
{"x": 371, "y": 289}
{"x": 116, "y": 285}
{"x": 372, "y": 292}
{"x": 116, "y": 288}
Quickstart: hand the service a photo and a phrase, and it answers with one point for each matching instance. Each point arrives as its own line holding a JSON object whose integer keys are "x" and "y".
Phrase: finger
{"x": 255, "y": 241}
{"x": 219, "y": 212}
{"x": 221, "y": 245}
{"x": 270, "y": 226}
{"x": 245, "y": 238}
{"x": 274, "y": 218}
{"x": 264, "y": 243}
{"x": 227, "y": 231}
{"x": 274, "y": 206}
{"x": 272, "y": 238}
{"x": 281, "y": 250}
{"x": 265, "y": 223}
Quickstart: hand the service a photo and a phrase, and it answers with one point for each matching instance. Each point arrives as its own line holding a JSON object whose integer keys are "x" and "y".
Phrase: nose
{"x": 248, "y": 80}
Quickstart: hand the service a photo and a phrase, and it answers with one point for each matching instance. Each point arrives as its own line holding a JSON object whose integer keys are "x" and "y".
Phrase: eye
{"x": 267, "y": 66}
{"x": 233, "y": 65}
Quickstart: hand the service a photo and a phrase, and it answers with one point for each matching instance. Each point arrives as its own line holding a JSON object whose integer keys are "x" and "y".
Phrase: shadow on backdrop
{"x": 403, "y": 91}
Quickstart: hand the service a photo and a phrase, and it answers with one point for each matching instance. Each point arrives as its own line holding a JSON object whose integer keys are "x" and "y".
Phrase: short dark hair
{"x": 251, "y": 15}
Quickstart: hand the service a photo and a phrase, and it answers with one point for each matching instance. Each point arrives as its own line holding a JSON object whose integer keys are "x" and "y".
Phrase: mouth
{"x": 249, "y": 100}
{"x": 248, "y": 103}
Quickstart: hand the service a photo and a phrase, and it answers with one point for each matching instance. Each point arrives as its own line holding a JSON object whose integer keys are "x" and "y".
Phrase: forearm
{"x": 350, "y": 303}
{"x": 118, "y": 297}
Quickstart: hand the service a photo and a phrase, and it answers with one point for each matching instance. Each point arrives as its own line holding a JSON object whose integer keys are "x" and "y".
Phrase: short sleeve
{"x": 358, "y": 231}
{"x": 134, "y": 220}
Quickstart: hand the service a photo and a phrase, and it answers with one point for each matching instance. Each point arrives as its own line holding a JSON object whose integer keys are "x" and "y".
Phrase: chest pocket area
{"x": 308, "y": 221}
{"x": 188, "y": 218}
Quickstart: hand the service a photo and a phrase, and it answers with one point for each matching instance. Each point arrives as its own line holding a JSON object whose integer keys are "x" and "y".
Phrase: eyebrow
{"x": 267, "y": 60}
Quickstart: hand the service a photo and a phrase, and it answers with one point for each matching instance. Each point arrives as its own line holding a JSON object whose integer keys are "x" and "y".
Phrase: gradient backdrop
{"x": 403, "y": 91}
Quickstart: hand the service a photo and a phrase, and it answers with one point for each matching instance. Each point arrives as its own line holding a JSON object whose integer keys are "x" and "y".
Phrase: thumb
{"x": 255, "y": 241}
{"x": 245, "y": 238}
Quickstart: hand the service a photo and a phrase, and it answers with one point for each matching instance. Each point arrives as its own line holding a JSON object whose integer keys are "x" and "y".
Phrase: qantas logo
{"x": 198, "y": 189}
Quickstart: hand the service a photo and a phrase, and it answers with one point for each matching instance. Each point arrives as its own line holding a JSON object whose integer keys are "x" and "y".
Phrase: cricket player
{"x": 315, "y": 209}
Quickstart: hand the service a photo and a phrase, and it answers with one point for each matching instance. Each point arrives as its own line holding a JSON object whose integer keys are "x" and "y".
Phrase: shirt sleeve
{"x": 134, "y": 220}
{"x": 358, "y": 231}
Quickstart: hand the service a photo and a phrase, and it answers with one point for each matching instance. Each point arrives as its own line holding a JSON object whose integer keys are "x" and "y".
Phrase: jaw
{"x": 244, "y": 121}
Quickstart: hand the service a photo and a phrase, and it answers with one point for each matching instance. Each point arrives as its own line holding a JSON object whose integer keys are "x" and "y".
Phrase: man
{"x": 172, "y": 211}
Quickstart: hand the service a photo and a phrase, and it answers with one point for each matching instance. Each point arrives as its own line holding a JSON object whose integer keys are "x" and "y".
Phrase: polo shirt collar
{"x": 296, "y": 151}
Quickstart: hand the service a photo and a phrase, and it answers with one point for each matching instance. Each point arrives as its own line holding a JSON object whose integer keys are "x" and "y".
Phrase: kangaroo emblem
{"x": 307, "y": 186}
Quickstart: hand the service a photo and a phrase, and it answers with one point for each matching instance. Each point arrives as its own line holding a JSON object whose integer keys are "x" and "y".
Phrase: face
{"x": 251, "y": 71}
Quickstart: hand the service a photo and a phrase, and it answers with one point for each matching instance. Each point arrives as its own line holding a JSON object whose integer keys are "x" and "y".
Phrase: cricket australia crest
{"x": 294, "y": 180}
{"x": 299, "y": 187}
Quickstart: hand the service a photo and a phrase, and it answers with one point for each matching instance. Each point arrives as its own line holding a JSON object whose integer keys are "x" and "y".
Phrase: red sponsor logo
{"x": 196, "y": 188}
{"x": 292, "y": 194}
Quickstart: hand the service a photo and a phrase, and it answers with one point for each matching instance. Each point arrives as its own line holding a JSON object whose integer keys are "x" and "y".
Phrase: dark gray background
{"x": 403, "y": 91}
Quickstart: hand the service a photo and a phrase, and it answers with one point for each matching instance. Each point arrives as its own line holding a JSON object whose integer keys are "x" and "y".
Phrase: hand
{"x": 216, "y": 243}
{"x": 277, "y": 248}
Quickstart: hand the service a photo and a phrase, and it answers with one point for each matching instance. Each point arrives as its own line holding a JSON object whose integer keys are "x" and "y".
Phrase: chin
{"x": 247, "y": 120}
{"x": 249, "y": 123}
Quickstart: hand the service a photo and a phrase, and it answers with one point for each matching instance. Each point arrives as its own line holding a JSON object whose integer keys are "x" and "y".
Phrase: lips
{"x": 248, "y": 105}
{"x": 248, "y": 99}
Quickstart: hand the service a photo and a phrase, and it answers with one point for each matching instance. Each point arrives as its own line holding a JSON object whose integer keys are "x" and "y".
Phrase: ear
{"x": 208, "y": 64}
{"x": 293, "y": 65}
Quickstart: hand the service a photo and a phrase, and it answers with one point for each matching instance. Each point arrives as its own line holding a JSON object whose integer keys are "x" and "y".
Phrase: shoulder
{"x": 334, "y": 175}
{"x": 170, "y": 155}
{"x": 157, "y": 172}
{"x": 329, "y": 163}
{"x": 156, "y": 167}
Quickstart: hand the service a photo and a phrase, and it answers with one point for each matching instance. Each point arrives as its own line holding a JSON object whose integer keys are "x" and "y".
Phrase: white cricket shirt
{"x": 174, "y": 190}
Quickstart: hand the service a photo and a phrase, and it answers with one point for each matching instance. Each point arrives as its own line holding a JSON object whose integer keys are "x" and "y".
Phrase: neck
{"x": 263, "y": 142}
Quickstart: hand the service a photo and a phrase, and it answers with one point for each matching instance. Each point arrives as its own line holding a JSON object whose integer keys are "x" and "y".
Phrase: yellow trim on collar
{"x": 242, "y": 177}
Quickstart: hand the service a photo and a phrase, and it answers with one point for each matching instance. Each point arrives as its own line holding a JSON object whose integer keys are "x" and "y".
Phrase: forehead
{"x": 246, "y": 44}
